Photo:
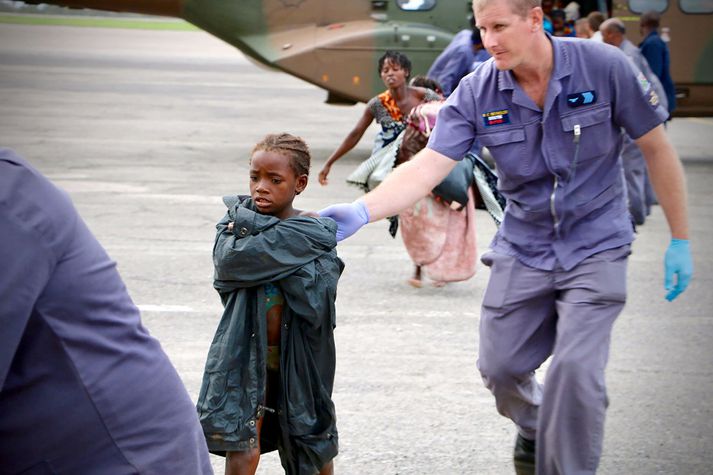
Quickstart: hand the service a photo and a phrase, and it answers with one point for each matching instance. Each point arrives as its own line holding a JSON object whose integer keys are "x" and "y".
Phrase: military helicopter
{"x": 333, "y": 45}
{"x": 336, "y": 45}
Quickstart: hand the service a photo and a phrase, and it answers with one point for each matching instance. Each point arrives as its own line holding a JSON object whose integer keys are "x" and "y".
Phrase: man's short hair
{"x": 615, "y": 25}
{"x": 595, "y": 19}
{"x": 650, "y": 19}
{"x": 520, "y": 7}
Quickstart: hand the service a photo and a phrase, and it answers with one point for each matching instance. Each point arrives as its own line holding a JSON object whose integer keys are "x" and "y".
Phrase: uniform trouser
{"x": 528, "y": 315}
{"x": 637, "y": 179}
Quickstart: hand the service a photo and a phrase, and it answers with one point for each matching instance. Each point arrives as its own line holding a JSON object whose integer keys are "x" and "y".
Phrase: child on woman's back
{"x": 270, "y": 369}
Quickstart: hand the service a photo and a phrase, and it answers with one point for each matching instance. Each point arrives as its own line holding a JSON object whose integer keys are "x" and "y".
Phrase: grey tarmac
{"x": 148, "y": 129}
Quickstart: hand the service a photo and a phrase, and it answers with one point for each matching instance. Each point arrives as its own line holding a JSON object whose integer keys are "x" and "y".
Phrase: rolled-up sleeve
{"x": 636, "y": 105}
{"x": 454, "y": 133}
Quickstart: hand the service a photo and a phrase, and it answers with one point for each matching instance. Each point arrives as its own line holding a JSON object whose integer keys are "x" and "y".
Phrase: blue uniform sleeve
{"x": 635, "y": 105}
{"x": 454, "y": 133}
{"x": 25, "y": 268}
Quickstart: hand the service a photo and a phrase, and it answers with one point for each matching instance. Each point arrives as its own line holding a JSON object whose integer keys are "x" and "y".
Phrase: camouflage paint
{"x": 704, "y": 68}
{"x": 336, "y": 44}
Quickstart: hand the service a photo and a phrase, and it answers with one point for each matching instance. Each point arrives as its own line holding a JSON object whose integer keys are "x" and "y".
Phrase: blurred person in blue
{"x": 459, "y": 58}
{"x": 655, "y": 50}
{"x": 637, "y": 178}
{"x": 84, "y": 388}
{"x": 551, "y": 111}
{"x": 481, "y": 55}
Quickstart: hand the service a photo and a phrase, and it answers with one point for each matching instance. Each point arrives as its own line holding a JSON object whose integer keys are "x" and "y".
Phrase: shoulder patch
{"x": 643, "y": 83}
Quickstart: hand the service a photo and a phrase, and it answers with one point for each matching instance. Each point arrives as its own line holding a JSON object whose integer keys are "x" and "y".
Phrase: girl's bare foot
{"x": 416, "y": 281}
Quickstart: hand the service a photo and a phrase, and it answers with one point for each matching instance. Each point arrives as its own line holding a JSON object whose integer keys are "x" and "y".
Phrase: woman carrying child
{"x": 389, "y": 109}
{"x": 270, "y": 368}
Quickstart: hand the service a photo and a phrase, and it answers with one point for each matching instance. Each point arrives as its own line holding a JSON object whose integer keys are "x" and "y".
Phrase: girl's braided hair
{"x": 289, "y": 145}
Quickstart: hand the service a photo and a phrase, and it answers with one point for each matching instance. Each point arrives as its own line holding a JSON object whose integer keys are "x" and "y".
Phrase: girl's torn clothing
{"x": 298, "y": 255}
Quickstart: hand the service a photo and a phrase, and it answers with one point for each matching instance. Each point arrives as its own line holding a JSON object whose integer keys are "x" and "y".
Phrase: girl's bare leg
{"x": 242, "y": 463}
{"x": 328, "y": 469}
{"x": 245, "y": 462}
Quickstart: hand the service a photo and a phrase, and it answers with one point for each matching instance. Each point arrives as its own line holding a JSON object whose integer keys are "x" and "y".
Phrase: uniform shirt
{"x": 454, "y": 62}
{"x": 560, "y": 210}
{"x": 83, "y": 387}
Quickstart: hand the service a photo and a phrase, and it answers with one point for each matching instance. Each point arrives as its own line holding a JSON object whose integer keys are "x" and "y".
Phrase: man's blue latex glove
{"x": 350, "y": 217}
{"x": 678, "y": 263}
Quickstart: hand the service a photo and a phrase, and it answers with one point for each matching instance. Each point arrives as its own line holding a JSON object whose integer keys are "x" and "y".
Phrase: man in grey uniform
{"x": 551, "y": 111}
{"x": 84, "y": 389}
{"x": 637, "y": 177}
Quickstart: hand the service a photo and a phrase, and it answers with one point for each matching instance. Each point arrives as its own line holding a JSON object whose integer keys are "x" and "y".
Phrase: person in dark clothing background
{"x": 655, "y": 50}
{"x": 463, "y": 53}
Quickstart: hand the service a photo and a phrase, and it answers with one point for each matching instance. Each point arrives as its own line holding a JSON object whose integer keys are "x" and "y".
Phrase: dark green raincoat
{"x": 298, "y": 255}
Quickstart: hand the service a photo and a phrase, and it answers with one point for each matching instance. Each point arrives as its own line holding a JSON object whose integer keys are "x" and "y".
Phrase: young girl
{"x": 270, "y": 369}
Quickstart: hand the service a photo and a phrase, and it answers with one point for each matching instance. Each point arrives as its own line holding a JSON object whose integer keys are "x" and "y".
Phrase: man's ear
{"x": 536, "y": 17}
{"x": 301, "y": 184}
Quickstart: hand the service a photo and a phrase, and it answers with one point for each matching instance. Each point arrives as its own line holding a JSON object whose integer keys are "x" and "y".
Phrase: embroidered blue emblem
{"x": 582, "y": 98}
{"x": 496, "y": 118}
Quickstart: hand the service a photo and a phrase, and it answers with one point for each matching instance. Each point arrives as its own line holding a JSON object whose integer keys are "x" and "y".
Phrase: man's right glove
{"x": 678, "y": 263}
{"x": 350, "y": 217}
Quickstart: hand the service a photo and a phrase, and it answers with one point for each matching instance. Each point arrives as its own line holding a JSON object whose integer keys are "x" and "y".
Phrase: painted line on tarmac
{"x": 701, "y": 121}
{"x": 166, "y": 308}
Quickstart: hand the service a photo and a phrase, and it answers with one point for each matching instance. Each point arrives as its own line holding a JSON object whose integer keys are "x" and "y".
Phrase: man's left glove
{"x": 350, "y": 217}
{"x": 678, "y": 264}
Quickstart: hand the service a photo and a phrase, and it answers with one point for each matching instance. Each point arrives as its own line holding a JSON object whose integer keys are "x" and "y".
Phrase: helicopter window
{"x": 696, "y": 6}
{"x": 416, "y": 5}
{"x": 641, "y": 6}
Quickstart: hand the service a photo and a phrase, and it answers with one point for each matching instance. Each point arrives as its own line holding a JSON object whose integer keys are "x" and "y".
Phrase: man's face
{"x": 583, "y": 30}
{"x": 608, "y": 37}
{"x": 506, "y": 35}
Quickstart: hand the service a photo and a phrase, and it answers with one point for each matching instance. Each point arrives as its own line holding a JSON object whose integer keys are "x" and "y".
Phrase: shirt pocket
{"x": 596, "y": 131}
{"x": 508, "y": 149}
